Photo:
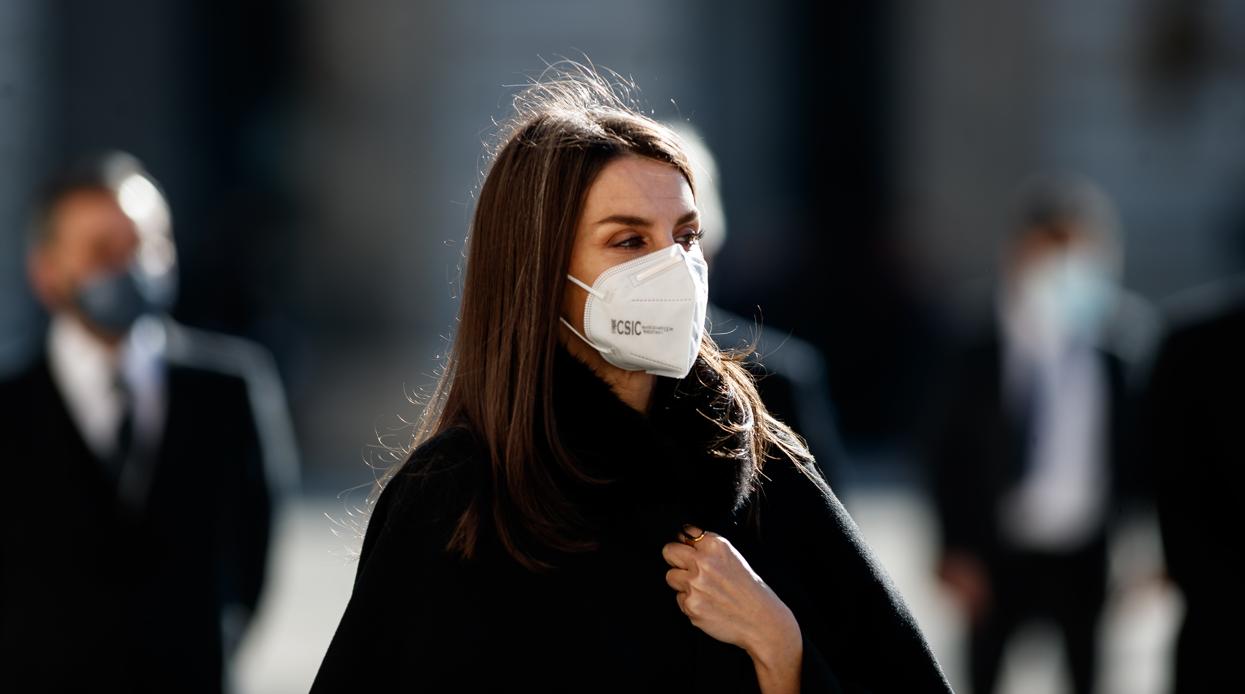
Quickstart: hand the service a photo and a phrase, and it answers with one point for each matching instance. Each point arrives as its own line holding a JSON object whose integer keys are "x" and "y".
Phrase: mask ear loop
{"x": 591, "y": 292}
{"x": 602, "y": 350}
{"x": 586, "y": 288}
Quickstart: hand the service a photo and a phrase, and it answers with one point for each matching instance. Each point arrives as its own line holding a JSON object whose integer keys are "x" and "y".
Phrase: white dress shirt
{"x": 85, "y": 372}
{"x": 1060, "y": 387}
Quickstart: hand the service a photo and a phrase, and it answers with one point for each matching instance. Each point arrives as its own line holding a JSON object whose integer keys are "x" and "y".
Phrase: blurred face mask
{"x": 1066, "y": 297}
{"x": 113, "y": 301}
{"x": 648, "y": 314}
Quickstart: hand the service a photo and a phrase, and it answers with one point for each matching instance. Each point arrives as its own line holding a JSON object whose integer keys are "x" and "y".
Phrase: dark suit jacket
{"x": 422, "y": 619}
{"x": 979, "y": 449}
{"x": 96, "y": 595}
{"x": 1195, "y": 420}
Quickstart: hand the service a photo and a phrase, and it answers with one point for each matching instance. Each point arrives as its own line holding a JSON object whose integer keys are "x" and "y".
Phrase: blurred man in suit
{"x": 1030, "y": 456}
{"x": 1194, "y": 422}
{"x": 140, "y": 459}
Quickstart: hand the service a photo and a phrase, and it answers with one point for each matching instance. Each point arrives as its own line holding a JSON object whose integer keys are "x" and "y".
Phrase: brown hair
{"x": 98, "y": 172}
{"x": 498, "y": 376}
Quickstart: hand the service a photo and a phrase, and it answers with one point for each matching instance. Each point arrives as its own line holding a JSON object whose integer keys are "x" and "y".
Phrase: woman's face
{"x": 636, "y": 206}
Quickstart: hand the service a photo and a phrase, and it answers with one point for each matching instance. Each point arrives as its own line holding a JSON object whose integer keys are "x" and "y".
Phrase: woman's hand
{"x": 727, "y": 600}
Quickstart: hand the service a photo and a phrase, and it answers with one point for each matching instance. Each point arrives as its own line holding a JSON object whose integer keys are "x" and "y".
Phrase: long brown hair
{"x": 497, "y": 379}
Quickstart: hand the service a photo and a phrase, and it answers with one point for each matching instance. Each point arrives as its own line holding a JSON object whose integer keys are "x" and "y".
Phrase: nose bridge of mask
{"x": 659, "y": 267}
{"x": 660, "y": 261}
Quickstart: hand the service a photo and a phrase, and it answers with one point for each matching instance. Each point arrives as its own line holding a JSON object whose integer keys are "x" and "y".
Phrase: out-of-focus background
{"x": 320, "y": 160}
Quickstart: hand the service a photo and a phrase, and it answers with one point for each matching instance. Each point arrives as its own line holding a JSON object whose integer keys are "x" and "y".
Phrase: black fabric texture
{"x": 423, "y": 619}
{"x": 100, "y": 595}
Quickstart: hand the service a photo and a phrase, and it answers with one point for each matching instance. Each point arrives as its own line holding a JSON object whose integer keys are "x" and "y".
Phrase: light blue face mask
{"x": 1070, "y": 294}
{"x": 113, "y": 302}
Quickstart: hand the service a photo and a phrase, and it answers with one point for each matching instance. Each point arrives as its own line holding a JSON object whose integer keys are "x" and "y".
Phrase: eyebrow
{"x": 633, "y": 221}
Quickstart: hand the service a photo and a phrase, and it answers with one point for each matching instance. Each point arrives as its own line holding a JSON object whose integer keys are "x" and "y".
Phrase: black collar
{"x": 672, "y": 465}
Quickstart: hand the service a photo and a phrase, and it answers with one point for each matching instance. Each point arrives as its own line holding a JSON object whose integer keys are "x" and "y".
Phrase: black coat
{"x": 421, "y": 619}
{"x": 1194, "y": 429}
{"x": 99, "y": 595}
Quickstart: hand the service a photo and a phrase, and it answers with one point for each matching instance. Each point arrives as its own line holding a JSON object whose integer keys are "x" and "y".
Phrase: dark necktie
{"x": 125, "y": 428}
{"x": 1026, "y": 416}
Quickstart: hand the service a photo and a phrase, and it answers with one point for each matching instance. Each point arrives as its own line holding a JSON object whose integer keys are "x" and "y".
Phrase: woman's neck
{"x": 634, "y": 388}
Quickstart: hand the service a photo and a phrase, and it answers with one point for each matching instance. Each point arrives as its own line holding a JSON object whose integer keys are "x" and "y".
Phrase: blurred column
{"x": 969, "y": 121}
{"x": 23, "y": 74}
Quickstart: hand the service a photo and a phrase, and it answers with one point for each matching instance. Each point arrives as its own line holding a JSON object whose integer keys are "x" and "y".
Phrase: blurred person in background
{"x": 790, "y": 374}
{"x": 1193, "y": 423}
{"x": 1031, "y": 453}
{"x": 141, "y": 458}
{"x": 597, "y": 499}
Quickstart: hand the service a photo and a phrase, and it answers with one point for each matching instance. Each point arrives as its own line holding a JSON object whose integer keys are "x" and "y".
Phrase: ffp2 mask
{"x": 648, "y": 314}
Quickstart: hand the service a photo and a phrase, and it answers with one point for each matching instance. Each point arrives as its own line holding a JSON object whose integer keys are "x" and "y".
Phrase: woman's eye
{"x": 631, "y": 242}
{"x": 690, "y": 237}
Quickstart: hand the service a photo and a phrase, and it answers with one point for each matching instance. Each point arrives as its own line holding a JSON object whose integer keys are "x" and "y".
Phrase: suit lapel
{"x": 56, "y": 437}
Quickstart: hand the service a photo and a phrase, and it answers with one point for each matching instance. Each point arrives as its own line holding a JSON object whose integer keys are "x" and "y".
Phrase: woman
{"x": 597, "y": 499}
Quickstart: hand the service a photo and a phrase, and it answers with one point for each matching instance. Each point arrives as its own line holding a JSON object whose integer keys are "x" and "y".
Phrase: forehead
{"x": 89, "y": 214}
{"x": 631, "y": 182}
{"x": 86, "y": 202}
{"x": 1058, "y": 236}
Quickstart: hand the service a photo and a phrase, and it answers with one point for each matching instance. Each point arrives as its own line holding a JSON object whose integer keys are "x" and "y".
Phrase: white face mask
{"x": 648, "y": 314}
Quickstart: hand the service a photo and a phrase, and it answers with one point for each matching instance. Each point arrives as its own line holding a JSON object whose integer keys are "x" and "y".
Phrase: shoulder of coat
{"x": 441, "y": 473}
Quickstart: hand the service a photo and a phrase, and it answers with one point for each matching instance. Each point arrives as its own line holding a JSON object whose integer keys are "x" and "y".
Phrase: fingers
{"x": 690, "y": 605}
{"x": 679, "y": 579}
{"x": 679, "y": 555}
